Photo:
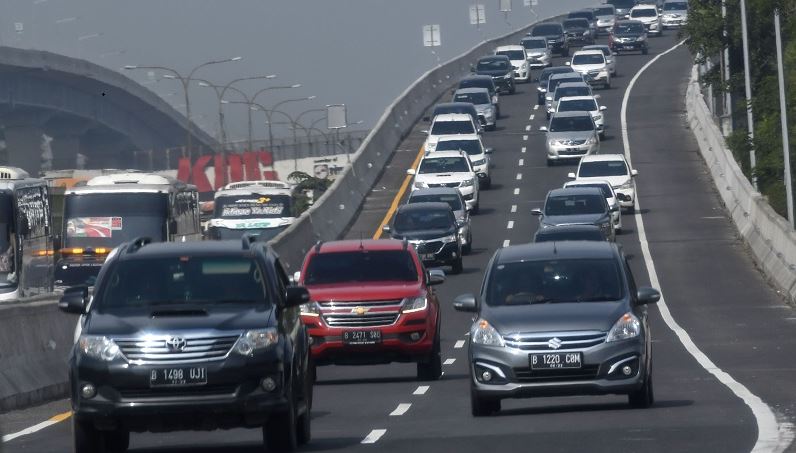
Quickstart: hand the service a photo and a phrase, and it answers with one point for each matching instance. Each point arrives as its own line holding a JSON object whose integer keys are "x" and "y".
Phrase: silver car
{"x": 480, "y": 98}
{"x": 453, "y": 197}
{"x": 675, "y": 13}
{"x": 570, "y": 136}
{"x": 567, "y": 89}
{"x": 610, "y": 58}
{"x": 538, "y": 51}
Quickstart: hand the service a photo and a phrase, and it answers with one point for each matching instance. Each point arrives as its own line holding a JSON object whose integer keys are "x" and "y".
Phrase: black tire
{"x": 467, "y": 249}
{"x": 431, "y": 368}
{"x": 551, "y": 163}
{"x": 481, "y": 406}
{"x": 644, "y": 397}
{"x": 86, "y": 438}
{"x": 607, "y": 86}
{"x": 476, "y": 207}
{"x": 488, "y": 183}
{"x": 645, "y": 51}
{"x": 116, "y": 441}
{"x": 457, "y": 266}
{"x": 280, "y": 431}
{"x": 304, "y": 429}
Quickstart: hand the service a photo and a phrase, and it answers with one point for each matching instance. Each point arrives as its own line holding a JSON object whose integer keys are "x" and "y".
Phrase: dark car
{"x": 578, "y": 31}
{"x": 577, "y": 206}
{"x": 570, "y": 233}
{"x": 482, "y": 81}
{"x": 432, "y": 228}
{"x": 189, "y": 335}
{"x": 622, "y": 7}
{"x": 466, "y": 108}
{"x": 554, "y": 80}
{"x": 589, "y": 15}
{"x": 500, "y": 69}
{"x": 544, "y": 76}
{"x": 559, "y": 319}
{"x": 555, "y": 35}
{"x": 628, "y": 35}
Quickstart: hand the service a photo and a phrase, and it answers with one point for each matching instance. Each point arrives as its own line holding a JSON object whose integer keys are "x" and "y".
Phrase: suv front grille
{"x": 446, "y": 184}
{"x": 429, "y": 247}
{"x": 197, "y": 349}
{"x": 361, "y": 314}
{"x": 569, "y": 340}
{"x": 588, "y": 372}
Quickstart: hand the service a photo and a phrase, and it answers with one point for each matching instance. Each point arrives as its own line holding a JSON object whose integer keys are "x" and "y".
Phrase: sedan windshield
{"x": 574, "y": 205}
{"x": 576, "y": 23}
{"x": 444, "y": 165}
{"x": 605, "y": 188}
{"x": 578, "y": 105}
{"x": 547, "y": 73}
{"x": 589, "y": 59}
{"x": 195, "y": 281}
{"x": 571, "y": 124}
{"x": 563, "y": 92}
{"x": 452, "y": 128}
{"x": 644, "y": 12}
{"x": 512, "y": 54}
{"x": 554, "y": 281}
{"x": 546, "y": 30}
{"x": 471, "y": 147}
{"x": 629, "y": 29}
{"x": 602, "y": 168}
{"x": 556, "y": 235}
{"x": 427, "y": 219}
{"x": 534, "y": 44}
{"x": 603, "y": 11}
{"x": 472, "y": 98}
{"x": 675, "y": 6}
{"x": 454, "y": 201}
{"x": 361, "y": 266}
{"x": 493, "y": 65}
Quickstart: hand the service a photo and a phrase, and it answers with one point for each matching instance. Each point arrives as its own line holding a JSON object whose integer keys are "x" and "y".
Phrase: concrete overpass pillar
{"x": 65, "y": 149}
{"x": 24, "y": 147}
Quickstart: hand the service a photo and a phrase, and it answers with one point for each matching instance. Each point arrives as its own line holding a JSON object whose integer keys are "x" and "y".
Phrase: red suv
{"x": 372, "y": 302}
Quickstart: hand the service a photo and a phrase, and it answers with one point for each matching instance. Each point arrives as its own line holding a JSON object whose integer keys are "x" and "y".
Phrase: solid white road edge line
{"x": 421, "y": 390}
{"x": 374, "y": 436}
{"x": 401, "y": 409}
{"x": 772, "y": 436}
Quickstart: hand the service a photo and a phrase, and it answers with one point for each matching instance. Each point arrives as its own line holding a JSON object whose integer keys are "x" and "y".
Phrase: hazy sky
{"x": 362, "y": 53}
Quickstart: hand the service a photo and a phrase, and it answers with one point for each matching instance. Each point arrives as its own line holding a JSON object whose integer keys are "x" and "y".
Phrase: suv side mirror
{"x": 297, "y": 295}
{"x": 465, "y": 302}
{"x": 633, "y": 172}
{"x": 603, "y": 108}
{"x": 536, "y": 211}
{"x": 296, "y": 277}
{"x": 571, "y": 175}
{"x": 543, "y": 129}
{"x": 386, "y": 229}
{"x": 74, "y": 300}
{"x": 488, "y": 150}
{"x": 568, "y": 63}
{"x": 410, "y": 172}
{"x": 436, "y": 277}
{"x": 647, "y": 295}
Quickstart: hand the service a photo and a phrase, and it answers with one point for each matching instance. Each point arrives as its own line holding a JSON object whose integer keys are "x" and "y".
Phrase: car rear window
{"x": 604, "y": 11}
{"x": 534, "y": 43}
{"x": 423, "y": 219}
{"x": 512, "y": 54}
{"x": 471, "y": 147}
{"x": 576, "y": 23}
{"x": 574, "y": 205}
{"x": 556, "y": 235}
{"x": 554, "y": 281}
{"x": 454, "y": 201}
{"x": 361, "y": 266}
{"x": 571, "y": 124}
{"x": 603, "y": 187}
{"x": 562, "y": 92}
{"x": 444, "y": 165}
{"x": 675, "y": 6}
{"x": 472, "y": 98}
{"x": 591, "y": 58}
{"x": 577, "y": 105}
{"x": 452, "y": 128}
{"x": 602, "y": 168}
{"x": 643, "y": 12}
{"x": 195, "y": 281}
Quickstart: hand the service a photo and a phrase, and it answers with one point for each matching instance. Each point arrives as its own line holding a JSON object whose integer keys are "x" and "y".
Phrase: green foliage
{"x": 306, "y": 184}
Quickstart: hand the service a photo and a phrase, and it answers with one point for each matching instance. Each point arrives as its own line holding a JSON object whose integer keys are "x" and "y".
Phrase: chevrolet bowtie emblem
{"x": 360, "y": 311}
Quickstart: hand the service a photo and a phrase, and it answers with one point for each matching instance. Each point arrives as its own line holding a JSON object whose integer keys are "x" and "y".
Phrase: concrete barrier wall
{"x": 771, "y": 239}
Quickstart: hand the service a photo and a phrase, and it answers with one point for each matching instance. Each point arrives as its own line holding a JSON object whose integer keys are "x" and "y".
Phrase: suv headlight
{"x": 592, "y": 140}
{"x": 467, "y": 183}
{"x": 507, "y": 76}
{"x": 97, "y": 347}
{"x": 627, "y": 185}
{"x": 448, "y": 239}
{"x": 641, "y": 38}
{"x": 598, "y": 117}
{"x": 256, "y": 340}
{"x": 311, "y": 309}
{"x": 552, "y": 142}
{"x": 420, "y": 184}
{"x": 478, "y": 162}
{"x": 414, "y": 304}
{"x": 627, "y": 327}
{"x": 485, "y": 334}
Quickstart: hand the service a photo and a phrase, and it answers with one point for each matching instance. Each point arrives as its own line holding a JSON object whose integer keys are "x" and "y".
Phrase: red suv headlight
{"x": 414, "y": 304}
{"x": 310, "y": 309}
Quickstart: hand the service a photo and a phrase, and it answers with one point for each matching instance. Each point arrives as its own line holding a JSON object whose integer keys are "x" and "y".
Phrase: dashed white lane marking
{"x": 506, "y": 243}
{"x": 536, "y": 107}
{"x": 528, "y": 127}
{"x": 523, "y": 149}
{"x": 521, "y": 162}
{"x": 519, "y": 176}
{"x": 374, "y": 436}
{"x": 449, "y": 361}
{"x": 532, "y": 117}
{"x": 772, "y": 437}
{"x": 421, "y": 390}
{"x": 525, "y": 137}
{"x": 514, "y": 208}
{"x": 516, "y": 191}
{"x": 510, "y": 225}
{"x": 459, "y": 344}
{"x": 401, "y": 409}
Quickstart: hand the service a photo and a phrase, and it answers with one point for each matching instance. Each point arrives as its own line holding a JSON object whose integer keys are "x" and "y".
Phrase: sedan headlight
{"x": 598, "y": 117}
{"x": 507, "y": 76}
{"x": 479, "y": 162}
{"x": 552, "y": 142}
{"x": 627, "y": 185}
{"x": 641, "y": 38}
{"x": 627, "y": 327}
{"x": 485, "y": 334}
{"x": 591, "y": 141}
{"x": 256, "y": 340}
{"x": 311, "y": 309}
{"x": 467, "y": 183}
{"x": 97, "y": 347}
{"x": 414, "y": 304}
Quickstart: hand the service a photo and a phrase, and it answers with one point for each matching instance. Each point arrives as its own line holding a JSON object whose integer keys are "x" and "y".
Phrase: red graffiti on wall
{"x": 226, "y": 169}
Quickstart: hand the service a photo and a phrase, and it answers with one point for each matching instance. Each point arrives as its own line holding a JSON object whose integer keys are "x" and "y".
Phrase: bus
{"x": 108, "y": 210}
{"x": 264, "y": 208}
{"x": 26, "y": 235}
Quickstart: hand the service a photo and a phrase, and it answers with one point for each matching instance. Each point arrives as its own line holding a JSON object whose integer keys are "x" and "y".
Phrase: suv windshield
{"x": 562, "y": 92}
{"x": 444, "y": 165}
{"x": 629, "y": 29}
{"x": 588, "y": 15}
{"x": 512, "y": 54}
{"x": 604, "y": 11}
{"x": 361, "y": 266}
{"x": 577, "y": 105}
{"x": 576, "y": 23}
{"x": 187, "y": 281}
{"x": 477, "y": 83}
{"x": 534, "y": 44}
{"x": 493, "y": 65}
{"x": 549, "y": 72}
{"x": 574, "y": 205}
{"x": 592, "y": 58}
{"x": 426, "y": 219}
{"x": 546, "y": 30}
{"x": 252, "y": 206}
{"x": 472, "y": 98}
{"x": 471, "y": 147}
{"x": 108, "y": 219}
{"x": 452, "y": 128}
{"x": 454, "y": 201}
{"x": 643, "y": 12}
{"x": 554, "y": 281}
{"x": 625, "y": 4}
{"x": 571, "y": 124}
{"x": 602, "y": 168}
{"x": 675, "y": 6}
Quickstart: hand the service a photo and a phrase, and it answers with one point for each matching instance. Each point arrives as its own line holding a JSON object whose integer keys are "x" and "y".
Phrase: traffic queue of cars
{"x": 216, "y": 334}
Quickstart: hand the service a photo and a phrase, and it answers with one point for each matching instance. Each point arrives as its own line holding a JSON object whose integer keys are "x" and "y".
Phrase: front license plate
{"x": 361, "y": 337}
{"x": 556, "y": 360}
{"x": 178, "y": 377}
{"x": 427, "y": 257}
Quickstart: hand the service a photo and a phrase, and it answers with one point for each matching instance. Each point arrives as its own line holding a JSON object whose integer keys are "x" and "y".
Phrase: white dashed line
{"x": 448, "y": 361}
{"x": 521, "y": 162}
{"x": 536, "y": 107}
{"x": 421, "y": 390}
{"x": 374, "y": 436}
{"x": 510, "y": 225}
{"x": 532, "y": 117}
{"x": 523, "y": 149}
{"x": 401, "y": 409}
{"x": 528, "y": 127}
{"x": 516, "y": 191}
{"x": 514, "y": 208}
{"x": 525, "y": 137}
{"x": 459, "y": 344}
{"x": 519, "y": 176}
{"x": 506, "y": 243}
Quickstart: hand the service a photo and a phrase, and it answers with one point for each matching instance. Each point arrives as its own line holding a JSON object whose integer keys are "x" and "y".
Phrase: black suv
{"x": 578, "y": 31}
{"x": 500, "y": 69}
{"x": 556, "y": 38}
{"x": 434, "y": 231}
{"x": 628, "y": 35}
{"x": 181, "y": 336}
{"x": 544, "y": 76}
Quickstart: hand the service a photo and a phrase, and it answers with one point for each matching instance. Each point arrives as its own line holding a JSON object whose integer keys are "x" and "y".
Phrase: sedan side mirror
{"x": 633, "y": 172}
{"x": 597, "y": 96}
{"x": 465, "y": 302}
{"x": 543, "y": 128}
{"x": 297, "y": 295}
{"x": 411, "y": 171}
{"x": 436, "y": 277}
{"x": 568, "y": 63}
{"x": 74, "y": 300}
{"x": 425, "y": 131}
{"x": 296, "y": 277}
{"x": 386, "y": 229}
{"x": 571, "y": 175}
{"x": 536, "y": 211}
{"x": 647, "y": 295}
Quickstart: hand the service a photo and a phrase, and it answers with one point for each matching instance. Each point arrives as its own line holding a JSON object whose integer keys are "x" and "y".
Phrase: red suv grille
{"x": 361, "y": 314}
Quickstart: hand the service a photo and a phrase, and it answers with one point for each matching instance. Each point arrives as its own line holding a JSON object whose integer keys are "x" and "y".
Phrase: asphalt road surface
{"x": 724, "y": 357}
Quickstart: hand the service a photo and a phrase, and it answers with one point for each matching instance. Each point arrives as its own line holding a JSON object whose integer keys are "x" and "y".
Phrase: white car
{"x": 478, "y": 154}
{"x": 448, "y": 169}
{"x": 610, "y": 197}
{"x": 606, "y": 17}
{"x": 674, "y": 14}
{"x": 449, "y": 124}
{"x": 538, "y": 52}
{"x": 648, "y": 15}
{"x": 567, "y": 89}
{"x": 585, "y": 104}
{"x": 614, "y": 169}
{"x": 610, "y": 58}
{"x": 570, "y": 136}
{"x": 593, "y": 66}
{"x": 519, "y": 60}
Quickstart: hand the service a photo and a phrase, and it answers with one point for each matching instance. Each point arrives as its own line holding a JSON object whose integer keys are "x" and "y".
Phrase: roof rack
{"x": 137, "y": 243}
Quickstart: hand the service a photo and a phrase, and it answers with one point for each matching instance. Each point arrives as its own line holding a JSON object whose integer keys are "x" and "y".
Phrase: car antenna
{"x": 361, "y": 240}
{"x": 555, "y": 250}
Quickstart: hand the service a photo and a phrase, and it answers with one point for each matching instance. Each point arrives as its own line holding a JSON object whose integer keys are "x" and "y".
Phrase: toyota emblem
{"x": 176, "y": 344}
{"x": 554, "y": 343}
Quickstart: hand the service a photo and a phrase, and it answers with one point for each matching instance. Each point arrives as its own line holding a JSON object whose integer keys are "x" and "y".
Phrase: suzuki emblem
{"x": 176, "y": 344}
{"x": 554, "y": 343}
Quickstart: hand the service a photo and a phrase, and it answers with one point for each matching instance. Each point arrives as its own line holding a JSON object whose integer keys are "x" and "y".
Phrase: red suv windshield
{"x": 361, "y": 266}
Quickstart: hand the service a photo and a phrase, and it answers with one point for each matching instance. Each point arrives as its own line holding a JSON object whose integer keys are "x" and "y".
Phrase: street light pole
{"x": 783, "y": 114}
{"x": 251, "y": 100}
{"x": 749, "y": 116}
{"x": 274, "y": 108}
